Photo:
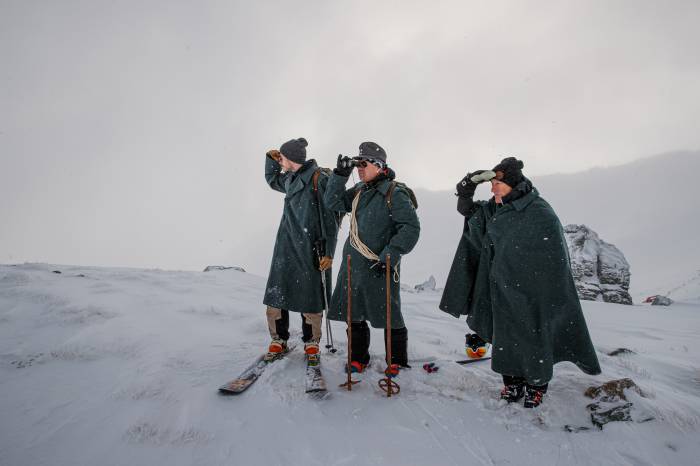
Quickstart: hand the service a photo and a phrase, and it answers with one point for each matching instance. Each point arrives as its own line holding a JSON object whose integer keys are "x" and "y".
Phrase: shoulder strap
{"x": 409, "y": 191}
{"x": 317, "y": 173}
{"x": 390, "y": 193}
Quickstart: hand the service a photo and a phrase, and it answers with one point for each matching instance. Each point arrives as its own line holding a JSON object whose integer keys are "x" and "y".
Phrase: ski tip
{"x": 470, "y": 361}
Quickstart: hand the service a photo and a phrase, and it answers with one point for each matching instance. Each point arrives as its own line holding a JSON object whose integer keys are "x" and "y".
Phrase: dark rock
{"x": 611, "y": 404}
{"x": 574, "y": 429}
{"x": 613, "y": 390}
{"x": 212, "y": 268}
{"x": 601, "y": 415}
{"x": 600, "y": 270}
{"x": 428, "y": 285}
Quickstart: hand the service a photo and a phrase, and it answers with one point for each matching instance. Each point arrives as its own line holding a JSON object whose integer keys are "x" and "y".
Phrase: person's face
{"x": 499, "y": 190}
{"x": 368, "y": 172}
{"x": 287, "y": 165}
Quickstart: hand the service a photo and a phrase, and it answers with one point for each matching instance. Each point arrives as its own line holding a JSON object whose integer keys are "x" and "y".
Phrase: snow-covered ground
{"x": 121, "y": 367}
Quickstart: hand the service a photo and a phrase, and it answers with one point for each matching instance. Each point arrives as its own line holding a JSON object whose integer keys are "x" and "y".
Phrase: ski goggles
{"x": 363, "y": 161}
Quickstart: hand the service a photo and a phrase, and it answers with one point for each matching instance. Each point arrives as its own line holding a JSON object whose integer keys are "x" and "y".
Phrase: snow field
{"x": 121, "y": 366}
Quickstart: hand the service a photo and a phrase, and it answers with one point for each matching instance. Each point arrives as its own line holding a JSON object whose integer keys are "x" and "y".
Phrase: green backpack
{"x": 411, "y": 194}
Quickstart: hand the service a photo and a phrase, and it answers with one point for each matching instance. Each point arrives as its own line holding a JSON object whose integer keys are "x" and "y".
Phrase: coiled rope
{"x": 356, "y": 241}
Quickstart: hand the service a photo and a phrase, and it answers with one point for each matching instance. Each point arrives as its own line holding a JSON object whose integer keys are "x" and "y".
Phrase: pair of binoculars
{"x": 353, "y": 162}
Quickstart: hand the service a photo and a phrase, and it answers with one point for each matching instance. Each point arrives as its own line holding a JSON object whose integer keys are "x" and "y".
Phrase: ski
{"x": 315, "y": 383}
{"x": 249, "y": 375}
{"x": 469, "y": 361}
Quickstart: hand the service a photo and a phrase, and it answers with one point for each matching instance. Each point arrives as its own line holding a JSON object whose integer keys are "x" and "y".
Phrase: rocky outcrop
{"x": 428, "y": 285}
{"x": 212, "y": 268}
{"x": 600, "y": 270}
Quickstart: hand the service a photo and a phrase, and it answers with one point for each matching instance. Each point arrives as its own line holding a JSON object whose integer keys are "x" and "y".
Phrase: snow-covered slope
{"x": 121, "y": 366}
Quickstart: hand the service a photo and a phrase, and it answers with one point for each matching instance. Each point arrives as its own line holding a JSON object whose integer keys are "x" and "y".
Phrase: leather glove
{"x": 344, "y": 166}
{"x": 325, "y": 263}
{"x": 275, "y": 155}
{"x": 379, "y": 268}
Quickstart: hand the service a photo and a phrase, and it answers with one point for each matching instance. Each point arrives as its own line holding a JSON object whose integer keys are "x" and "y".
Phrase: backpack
{"x": 411, "y": 194}
{"x": 317, "y": 174}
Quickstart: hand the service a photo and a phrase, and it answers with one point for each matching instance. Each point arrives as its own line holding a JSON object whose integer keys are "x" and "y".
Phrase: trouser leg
{"x": 399, "y": 346}
{"x": 513, "y": 380}
{"x": 278, "y": 323}
{"x": 311, "y": 327}
{"x": 360, "y": 342}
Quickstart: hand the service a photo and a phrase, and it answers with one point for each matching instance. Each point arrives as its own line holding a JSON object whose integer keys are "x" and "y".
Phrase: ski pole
{"x": 329, "y": 334}
{"x": 348, "y": 369}
{"x": 387, "y": 384}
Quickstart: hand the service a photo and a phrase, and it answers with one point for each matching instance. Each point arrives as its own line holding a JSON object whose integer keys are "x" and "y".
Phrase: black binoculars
{"x": 353, "y": 162}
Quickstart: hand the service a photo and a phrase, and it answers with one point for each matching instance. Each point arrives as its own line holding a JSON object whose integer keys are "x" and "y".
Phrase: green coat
{"x": 384, "y": 232}
{"x": 512, "y": 278}
{"x": 294, "y": 282}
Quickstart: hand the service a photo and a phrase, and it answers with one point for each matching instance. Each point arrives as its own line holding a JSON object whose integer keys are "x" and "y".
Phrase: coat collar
{"x": 384, "y": 184}
{"x": 521, "y": 203}
{"x": 302, "y": 178}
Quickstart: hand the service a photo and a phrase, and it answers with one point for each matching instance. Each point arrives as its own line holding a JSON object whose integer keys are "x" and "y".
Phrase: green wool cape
{"x": 512, "y": 278}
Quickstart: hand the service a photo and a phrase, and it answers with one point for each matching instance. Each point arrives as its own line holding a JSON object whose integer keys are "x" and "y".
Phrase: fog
{"x": 133, "y": 133}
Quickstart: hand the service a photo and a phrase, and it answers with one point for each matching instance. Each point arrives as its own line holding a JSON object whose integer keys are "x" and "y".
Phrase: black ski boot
{"x": 512, "y": 393}
{"x": 360, "y": 347}
{"x": 534, "y": 395}
{"x": 476, "y": 347}
{"x": 399, "y": 347}
{"x": 513, "y": 388}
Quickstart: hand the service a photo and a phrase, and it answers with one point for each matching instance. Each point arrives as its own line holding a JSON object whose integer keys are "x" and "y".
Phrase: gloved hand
{"x": 274, "y": 154}
{"x": 379, "y": 268}
{"x": 325, "y": 263}
{"x": 480, "y": 176}
{"x": 344, "y": 166}
{"x": 467, "y": 186}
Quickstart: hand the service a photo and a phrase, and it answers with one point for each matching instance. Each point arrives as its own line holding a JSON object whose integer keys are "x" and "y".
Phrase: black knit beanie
{"x": 372, "y": 150}
{"x": 509, "y": 171}
{"x": 295, "y": 150}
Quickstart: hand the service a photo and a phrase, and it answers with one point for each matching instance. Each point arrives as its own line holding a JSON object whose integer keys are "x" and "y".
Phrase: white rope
{"x": 357, "y": 243}
{"x": 355, "y": 240}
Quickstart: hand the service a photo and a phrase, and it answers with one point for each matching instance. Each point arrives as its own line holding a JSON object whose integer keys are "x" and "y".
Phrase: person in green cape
{"x": 511, "y": 277}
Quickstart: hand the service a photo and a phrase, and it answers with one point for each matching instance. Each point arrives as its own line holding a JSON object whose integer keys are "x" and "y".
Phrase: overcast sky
{"x": 133, "y": 132}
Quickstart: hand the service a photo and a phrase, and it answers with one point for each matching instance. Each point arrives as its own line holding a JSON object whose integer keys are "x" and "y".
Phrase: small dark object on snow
{"x": 430, "y": 367}
{"x": 56, "y": 271}
{"x": 621, "y": 351}
{"x": 658, "y": 300}
{"x": 575, "y": 429}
